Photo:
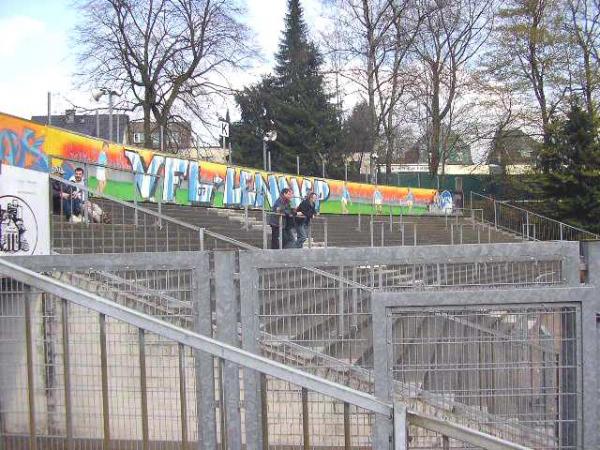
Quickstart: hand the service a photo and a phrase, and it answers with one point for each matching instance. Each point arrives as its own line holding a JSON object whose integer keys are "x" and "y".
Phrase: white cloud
{"x": 17, "y": 33}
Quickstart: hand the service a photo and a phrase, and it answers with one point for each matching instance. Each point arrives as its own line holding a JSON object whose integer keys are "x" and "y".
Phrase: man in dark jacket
{"x": 304, "y": 213}
{"x": 282, "y": 208}
{"x": 65, "y": 200}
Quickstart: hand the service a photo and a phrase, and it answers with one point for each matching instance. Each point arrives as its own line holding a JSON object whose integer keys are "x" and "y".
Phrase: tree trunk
{"x": 436, "y": 125}
{"x": 147, "y": 126}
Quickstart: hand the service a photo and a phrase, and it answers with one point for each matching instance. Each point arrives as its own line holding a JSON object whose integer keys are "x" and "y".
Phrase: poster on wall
{"x": 24, "y": 212}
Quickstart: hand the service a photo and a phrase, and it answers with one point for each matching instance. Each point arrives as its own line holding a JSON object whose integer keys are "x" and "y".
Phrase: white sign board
{"x": 224, "y": 129}
{"x": 24, "y": 212}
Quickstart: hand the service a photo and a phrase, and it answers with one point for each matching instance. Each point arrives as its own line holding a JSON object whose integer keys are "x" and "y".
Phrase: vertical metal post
{"x": 415, "y": 234}
{"x": 489, "y": 235}
{"x": 67, "y": 374}
{"x": 159, "y": 200}
{"x": 347, "y": 436}
{"x": 104, "y": 374}
{"x": 135, "y": 205}
{"x": 162, "y": 138}
{"x": 461, "y": 233}
{"x": 402, "y": 231}
{"x": 358, "y": 228}
{"x": 49, "y": 104}
{"x": 143, "y": 387}
{"x": 110, "y": 116}
{"x": 323, "y": 167}
{"x": 325, "y": 232}
{"x": 371, "y": 230}
{"x": 527, "y": 223}
{"x": 479, "y": 235}
{"x": 183, "y": 397}
{"x": 264, "y": 411}
{"x": 561, "y": 231}
{"x": 269, "y": 155}
{"x": 400, "y": 427}
{"x": 30, "y": 375}
{"x": 391, "y": 219}
{"x": 495, "y": 215}
{"x": 382, "y": 374}
{"x": 305, "y": 420}
{"x": 445, "y": 443}
{"x": 346, "y": 171}
{"x": 280, "y": 219}
{"x": 204, "y": 369}
{"x": 227, "y": 332}
{"x": 340, "y": 304}
{"x": 201, "y": 236}
{"x": 451, "y": 234}
{"x": 264, "y": 155}
{"x": 264, "y": 225}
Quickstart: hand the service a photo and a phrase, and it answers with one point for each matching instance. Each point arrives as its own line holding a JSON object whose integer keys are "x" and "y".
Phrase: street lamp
{"x": 270, "y": 136}
{"x": 97, "y": 95}
{"x": 374, "y": 158}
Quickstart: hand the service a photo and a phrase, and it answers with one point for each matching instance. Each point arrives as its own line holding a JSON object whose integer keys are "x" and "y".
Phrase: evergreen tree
{"x": 568, "y": 179}
{"x": 294, "y": 103}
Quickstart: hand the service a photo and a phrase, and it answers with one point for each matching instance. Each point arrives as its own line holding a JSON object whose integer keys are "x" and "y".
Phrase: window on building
{"x": 138, "y": 138}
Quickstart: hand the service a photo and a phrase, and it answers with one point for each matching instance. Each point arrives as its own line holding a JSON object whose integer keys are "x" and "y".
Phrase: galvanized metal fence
{"x": 301, "y": 313}
{"x": 512, "y": 361}
{"x": 529, "y": 225}
{"x": 81, "y": 370}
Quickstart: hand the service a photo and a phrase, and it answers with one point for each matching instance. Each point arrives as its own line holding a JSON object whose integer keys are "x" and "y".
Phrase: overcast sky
{"x": 37, "y": 56}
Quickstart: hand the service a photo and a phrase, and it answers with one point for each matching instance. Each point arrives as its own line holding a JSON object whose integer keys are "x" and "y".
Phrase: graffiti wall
{"x": 127, "y": 172}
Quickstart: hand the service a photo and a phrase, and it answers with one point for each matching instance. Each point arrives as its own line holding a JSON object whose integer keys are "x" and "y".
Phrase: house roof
{"x": 86, "y": 124}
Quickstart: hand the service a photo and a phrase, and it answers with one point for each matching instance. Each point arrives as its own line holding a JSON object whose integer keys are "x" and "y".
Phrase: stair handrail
{"x": 562, "y": 225}
{"x": 252, "y": 361}
{"x": 200, "y": 230}
{"x": 156, "y": 214}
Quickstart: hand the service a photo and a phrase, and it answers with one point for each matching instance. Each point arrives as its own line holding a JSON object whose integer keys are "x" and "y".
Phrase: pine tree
{"x": 569, "y": 171}
{"x": 294, "y": 103}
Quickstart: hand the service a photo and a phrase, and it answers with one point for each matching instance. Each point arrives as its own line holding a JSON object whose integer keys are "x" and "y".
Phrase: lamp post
{"x": 270, "y": 136}
{"x": 374, "y": 159}
{"x": 97, "y": 96}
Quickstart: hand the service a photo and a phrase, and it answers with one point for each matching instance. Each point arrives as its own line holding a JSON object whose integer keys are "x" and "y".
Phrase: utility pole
{"x": 49, "y": 108}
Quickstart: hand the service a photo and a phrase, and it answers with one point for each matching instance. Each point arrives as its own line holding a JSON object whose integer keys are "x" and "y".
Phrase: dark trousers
{"x": 274, "y": 237}
{"x": 287, "y": 239}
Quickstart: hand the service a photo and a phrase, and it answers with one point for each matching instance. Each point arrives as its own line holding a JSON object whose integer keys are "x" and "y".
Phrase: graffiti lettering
{"x": 26, "y": 151}
{"x": 146, "y": 181}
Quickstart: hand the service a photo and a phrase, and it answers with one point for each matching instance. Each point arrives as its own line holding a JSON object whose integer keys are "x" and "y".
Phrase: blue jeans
{"x": 301, "y": 234}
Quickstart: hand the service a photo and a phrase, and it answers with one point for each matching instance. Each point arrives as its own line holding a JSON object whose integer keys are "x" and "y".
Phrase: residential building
{"x": 95, "y": 125}
{"x": 176, "y": 138}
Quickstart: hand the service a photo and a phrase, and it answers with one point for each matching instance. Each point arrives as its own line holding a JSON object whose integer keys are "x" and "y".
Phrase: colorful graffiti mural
{"x": 149, "y": 175}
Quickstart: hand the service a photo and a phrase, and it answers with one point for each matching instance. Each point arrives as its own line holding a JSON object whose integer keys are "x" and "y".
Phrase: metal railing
{"x": 131, "y": 227}
{"x": 129, "y": 378}
{"x": 527, "y": 224}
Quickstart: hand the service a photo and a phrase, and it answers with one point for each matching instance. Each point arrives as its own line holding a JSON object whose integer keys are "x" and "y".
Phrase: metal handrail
{"x": 250, "y": 360}
{"x": 561, "y": 224}
{"x": 213, "y": 234}
{"x": 155, "y": 214}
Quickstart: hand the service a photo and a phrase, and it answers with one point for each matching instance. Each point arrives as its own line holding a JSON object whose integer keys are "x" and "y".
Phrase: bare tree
{"x": 530, "y": 52}
{"x": 451, "y": 36}
{"x": 584, "y": 29}
{"x": 373, "y": 38}
{"x": 168, "y": 57}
